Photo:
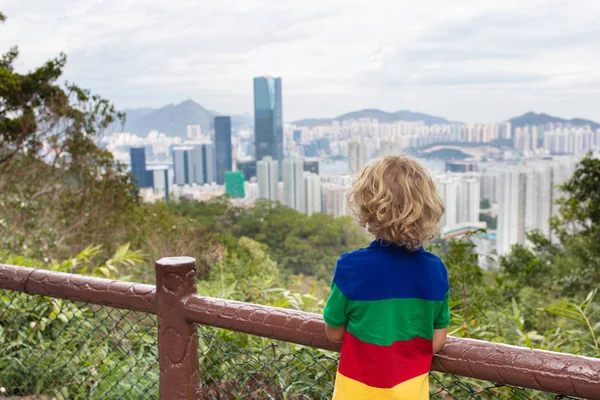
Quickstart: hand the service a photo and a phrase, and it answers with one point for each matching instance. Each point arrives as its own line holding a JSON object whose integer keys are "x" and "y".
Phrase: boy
{"x": 389, "y": 302}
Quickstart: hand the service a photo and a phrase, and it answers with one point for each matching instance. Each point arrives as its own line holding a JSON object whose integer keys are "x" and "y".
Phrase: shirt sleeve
{"x": 443, "y": 318}
{"x": 336, "y": 308}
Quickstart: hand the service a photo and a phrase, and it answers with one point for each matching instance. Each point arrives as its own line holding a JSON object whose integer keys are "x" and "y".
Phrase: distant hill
{"x": 404, "y": 115}
{"x": 381, "y": 116}
{"x": 372, "y": 113}
{"x": 532, "y": 118}
{"x": 310, "y": 122}
{"x": 173, "y": 119}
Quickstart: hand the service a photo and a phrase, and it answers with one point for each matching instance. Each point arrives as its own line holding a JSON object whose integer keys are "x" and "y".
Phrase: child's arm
{"x": 439, "y": 339}
{"x": 335, "y": 313}
{"x": 336, "y": 335}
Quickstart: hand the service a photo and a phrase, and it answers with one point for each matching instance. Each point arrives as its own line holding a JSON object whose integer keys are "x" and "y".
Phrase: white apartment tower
{"x": 357, "y": 155}
{"x": 313, "y": 193}
{"x": 447, "y": 188}
{"x": 468, "y": 202}
{"x": 205, "y": 167}
{"x": 183, "y": 165}
{"x": 293, "y": 184}
{"x": 508, "y": 210}
{"x": 267, "y": 173}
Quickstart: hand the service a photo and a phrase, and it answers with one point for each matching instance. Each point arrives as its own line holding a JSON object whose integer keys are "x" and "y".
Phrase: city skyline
{"x": 478, "y": 61}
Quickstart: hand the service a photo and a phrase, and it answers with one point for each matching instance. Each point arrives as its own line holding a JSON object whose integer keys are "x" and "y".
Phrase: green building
{"x": 234, "y": 184}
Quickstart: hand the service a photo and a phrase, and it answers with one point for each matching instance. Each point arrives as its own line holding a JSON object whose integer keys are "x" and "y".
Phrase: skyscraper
{"x": 510, "y": 210}
{"x": 204, "y": 164}
{"x": 293, "y": 184}
{"x": 313, "y": 193}
{"x": 357, "y": 155}
{"x": 223, "y": 147}
{"x": 268, "y": 118}
{"x": 468, "y": 200}
{"x": 183, "y": 164}
{"x": 267, "y": 174}
{"x": 447, "y": 189}
{"x": 138, "y": 166}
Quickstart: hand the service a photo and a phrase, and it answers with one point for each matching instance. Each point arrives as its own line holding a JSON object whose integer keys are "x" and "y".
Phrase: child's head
{"x": 397, "y": 200}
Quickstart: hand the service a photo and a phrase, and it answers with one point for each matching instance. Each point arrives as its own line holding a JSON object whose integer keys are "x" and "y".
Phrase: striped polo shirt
{"x": 390, "y": 299}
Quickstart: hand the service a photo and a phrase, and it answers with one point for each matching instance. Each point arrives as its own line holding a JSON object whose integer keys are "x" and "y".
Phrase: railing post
{"x": 177, "y": 338}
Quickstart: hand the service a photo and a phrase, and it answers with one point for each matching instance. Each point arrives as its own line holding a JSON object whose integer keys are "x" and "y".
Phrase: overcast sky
{"x": 467, "y": 60}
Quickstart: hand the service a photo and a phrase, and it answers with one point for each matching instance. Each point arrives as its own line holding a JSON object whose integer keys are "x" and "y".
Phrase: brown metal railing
{"x": 179, "y": 309}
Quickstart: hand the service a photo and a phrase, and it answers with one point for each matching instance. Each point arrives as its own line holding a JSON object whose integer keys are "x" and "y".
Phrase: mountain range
{"x": 172, "y": 119}
{"x": 381, "y": 116}
{"x": 532, "y": 118}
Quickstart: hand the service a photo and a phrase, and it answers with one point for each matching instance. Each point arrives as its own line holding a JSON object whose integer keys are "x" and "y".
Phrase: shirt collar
{"x": 379, "y": 243}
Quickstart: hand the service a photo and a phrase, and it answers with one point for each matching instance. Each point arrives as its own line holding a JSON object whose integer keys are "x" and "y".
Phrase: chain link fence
{"x": 59, "y": 349}
{"x": 280, "y": 370}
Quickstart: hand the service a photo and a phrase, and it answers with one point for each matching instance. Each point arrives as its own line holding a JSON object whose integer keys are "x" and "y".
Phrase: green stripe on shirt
{"x": 383, "y": 322}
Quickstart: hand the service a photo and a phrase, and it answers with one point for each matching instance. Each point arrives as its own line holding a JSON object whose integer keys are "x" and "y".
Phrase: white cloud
{"x": 472, "y": 60}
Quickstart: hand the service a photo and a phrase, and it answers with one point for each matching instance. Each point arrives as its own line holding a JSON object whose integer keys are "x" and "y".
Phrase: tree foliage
{"x": 49, "y": 156}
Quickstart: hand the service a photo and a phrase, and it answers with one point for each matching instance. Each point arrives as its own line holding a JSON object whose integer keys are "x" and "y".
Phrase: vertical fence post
{"x": 177, "y": 338}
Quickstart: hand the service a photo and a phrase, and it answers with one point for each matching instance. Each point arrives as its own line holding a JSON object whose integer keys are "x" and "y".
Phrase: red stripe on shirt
{"x": 385, "y": 366}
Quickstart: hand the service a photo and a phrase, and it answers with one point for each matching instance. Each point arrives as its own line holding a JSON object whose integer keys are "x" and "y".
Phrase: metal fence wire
{"x": 280, "y": 370}
{"x": 59, "y": 349}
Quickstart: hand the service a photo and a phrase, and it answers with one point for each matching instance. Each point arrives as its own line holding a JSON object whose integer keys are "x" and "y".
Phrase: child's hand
{"x": 335, "y": 335}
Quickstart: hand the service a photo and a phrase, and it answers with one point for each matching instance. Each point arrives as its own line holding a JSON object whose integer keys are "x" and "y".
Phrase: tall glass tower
{"x": 268, "y": 119}
{"x": 223, "y": 147}
{"x": 138, "y": 166}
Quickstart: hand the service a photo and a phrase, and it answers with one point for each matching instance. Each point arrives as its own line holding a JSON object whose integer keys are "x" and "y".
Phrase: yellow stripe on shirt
{"x": 413, "y": 389}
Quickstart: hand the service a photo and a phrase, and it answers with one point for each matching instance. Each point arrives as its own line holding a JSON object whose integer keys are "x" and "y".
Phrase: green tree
{"x": 49, "y": 156}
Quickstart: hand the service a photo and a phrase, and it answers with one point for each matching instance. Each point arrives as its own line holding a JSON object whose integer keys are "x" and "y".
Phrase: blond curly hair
{"x": 396, "y": 199}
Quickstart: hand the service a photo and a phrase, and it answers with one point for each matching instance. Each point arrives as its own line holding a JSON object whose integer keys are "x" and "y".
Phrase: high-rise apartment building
{"x": 205, "y": 169}
{"x": 447, "y": 188}
{"x": 268, "y": 118}
{"x": 461, "y": 195}
{"x": 468, "y": 201}
{"x": 183, "y": 157}
{"x": 357, "y": 155}
{"x": 313, "y": 193}
{"x": 527, "y": 197}
{"x": 522, "y": 139}
{"x": 294, "y": 195}
{"x": 223, "y": 149}
{"x": 510, "y": 210}
{"x": 267, "y": 174}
